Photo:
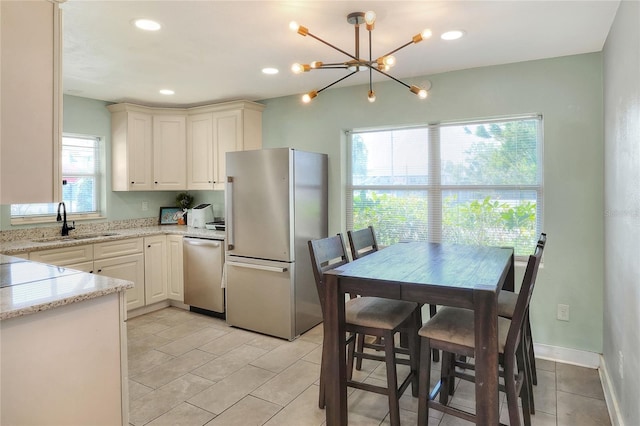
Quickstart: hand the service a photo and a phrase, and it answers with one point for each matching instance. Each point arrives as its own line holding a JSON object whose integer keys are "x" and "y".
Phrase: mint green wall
{"x": 622, "y": 211}
{"x": 567, "y": 91}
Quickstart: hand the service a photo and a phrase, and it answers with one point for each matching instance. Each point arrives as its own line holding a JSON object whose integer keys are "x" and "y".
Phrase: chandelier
{"x": 380, "y": 65}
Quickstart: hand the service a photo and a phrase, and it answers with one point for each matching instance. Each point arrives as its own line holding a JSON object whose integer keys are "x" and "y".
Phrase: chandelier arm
{"x": 370, "y": 61}
{"x": 332, "y": 67}
{"x": 337, "y": 81}
{"x": 395, "y": 50}
{"x": 333, "y": 47}
{"x": 391, "y": 77}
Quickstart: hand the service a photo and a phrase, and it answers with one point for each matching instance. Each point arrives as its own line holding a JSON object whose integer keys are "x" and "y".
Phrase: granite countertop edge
{"x": 109, "y": 286}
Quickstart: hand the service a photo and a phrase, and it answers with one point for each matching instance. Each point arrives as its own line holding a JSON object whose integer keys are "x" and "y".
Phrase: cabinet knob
{"x": 99, "y": 270}
{"x": 155, "y": 183}
{"x": 149, "y": 246}
{"x": 132, "y": 183}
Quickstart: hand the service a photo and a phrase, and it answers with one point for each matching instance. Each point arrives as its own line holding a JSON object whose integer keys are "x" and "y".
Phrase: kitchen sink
{"x": 73, "y": 237}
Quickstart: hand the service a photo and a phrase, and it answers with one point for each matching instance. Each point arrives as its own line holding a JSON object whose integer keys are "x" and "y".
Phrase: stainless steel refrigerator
{"x": 276, "y": 201}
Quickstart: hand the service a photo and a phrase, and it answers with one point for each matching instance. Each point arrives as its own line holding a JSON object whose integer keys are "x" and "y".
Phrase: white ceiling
{"x": 210, "y": 51}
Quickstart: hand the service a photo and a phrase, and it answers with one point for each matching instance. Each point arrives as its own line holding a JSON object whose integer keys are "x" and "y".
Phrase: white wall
{"x": 567, "y": 91}
{"x": 622, "y": 210}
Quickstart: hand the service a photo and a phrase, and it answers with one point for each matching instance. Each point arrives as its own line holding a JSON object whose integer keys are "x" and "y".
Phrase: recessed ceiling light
{"x": 167, "y": 91}
{"x": 147, "y": 24}
{"x": 452, "y": 35}
{"x": 269, "y": 70}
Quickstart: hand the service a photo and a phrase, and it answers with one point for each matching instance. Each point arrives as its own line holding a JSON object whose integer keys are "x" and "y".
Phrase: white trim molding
{"x": 568, "y": 355}
{"x": 610, "y": 394}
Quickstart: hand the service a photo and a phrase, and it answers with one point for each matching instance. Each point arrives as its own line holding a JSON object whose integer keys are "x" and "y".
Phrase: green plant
{"x": 184, "y": 200}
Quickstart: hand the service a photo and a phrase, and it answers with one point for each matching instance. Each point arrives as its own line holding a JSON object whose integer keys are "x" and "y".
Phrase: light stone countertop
{"x": 28, "y": 245}
{"x": 29, "y": 287}
{"x": 33, "y": 287}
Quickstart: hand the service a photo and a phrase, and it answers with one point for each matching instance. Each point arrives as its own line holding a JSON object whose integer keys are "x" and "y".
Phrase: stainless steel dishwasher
{"x": 203, "y": 261}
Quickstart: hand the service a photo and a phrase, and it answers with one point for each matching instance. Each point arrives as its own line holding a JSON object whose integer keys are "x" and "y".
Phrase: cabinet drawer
{"x": 64, "y": 256}
{"x": 117, "y": 248}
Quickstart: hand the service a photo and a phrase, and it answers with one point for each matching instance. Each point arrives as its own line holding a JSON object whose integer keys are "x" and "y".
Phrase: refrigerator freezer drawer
{"x": 260, "y": 297}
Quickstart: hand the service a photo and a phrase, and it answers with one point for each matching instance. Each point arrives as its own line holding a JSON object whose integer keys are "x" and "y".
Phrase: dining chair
{"x": 507, "y": 301}
{"x": 363, "y": 242}
{"x": 372, "y": 316}
{"x": 452, "y": 331}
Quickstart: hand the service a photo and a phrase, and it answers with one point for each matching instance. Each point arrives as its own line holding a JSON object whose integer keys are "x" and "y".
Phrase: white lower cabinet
{"x": 130, "y": 268}
{"x": 176, "y": 279}
{"x": 155, "y": 269}
{"x": 153, "y": 264}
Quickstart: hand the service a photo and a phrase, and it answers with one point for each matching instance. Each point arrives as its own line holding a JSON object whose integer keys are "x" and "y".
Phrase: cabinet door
{"x": 200, "y": 151}
{"x": 139, "y": 151}
{"x": 227, "y": 137}
{"x": 169, "y": 152}
{"x": 155, "y": 269}
{"x": 129, "y": 268}
{"x": 176, "y": 279}
{"x": 31, "y": 102}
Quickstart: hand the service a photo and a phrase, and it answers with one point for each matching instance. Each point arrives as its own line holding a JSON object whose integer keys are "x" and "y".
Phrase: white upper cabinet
{"x": 169, "y": 152}
{"x": 172, "y": 149}
{"x": 148, "y": 148}
{"x": 214, "y": 130}
{"x": 31, "y": 101}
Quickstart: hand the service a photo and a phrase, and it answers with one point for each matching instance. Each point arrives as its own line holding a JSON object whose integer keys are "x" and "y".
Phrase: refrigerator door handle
{"x": 254, "y": 266}
{"x": 229, "y": 219}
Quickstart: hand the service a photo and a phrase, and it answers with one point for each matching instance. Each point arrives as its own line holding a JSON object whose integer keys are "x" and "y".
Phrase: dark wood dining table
{"x": 436, "y": 273}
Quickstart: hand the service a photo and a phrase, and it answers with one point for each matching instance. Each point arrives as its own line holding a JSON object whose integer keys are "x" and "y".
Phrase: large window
{"x": 80, "y": 181}
{"x": 468, "y": 183}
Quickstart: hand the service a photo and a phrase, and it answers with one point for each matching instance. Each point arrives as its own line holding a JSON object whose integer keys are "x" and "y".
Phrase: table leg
{"x": 486, "y": 335}
{"x": 335, "y": 373}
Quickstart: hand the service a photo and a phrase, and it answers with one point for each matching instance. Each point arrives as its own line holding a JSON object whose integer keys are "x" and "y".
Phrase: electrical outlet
{"x": 563, "y": 312}
{"x": 145, "y": 206}
{"x": 620, "y": 363}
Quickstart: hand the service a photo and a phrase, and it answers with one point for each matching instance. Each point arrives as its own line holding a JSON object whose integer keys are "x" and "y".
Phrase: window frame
{"x": 434, "y": 187}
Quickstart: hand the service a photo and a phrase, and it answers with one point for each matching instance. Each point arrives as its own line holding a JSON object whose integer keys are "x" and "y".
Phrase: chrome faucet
{"x": 65, "y": 228}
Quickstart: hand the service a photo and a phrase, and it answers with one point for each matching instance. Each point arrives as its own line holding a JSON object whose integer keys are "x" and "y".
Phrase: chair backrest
{"x": 326, "y": 254}
{"x": 362, "y": 242}
{"x": 524, "y": 298}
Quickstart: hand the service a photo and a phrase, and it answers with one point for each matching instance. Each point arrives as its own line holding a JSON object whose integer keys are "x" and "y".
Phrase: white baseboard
{"x": 609, "y": 394}
{"x": 567, "y": 355}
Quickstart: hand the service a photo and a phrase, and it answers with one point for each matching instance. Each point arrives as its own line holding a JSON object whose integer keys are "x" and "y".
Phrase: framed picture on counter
{"x": 170, "y": 215}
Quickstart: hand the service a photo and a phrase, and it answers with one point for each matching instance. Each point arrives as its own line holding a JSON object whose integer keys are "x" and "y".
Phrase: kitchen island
{"x": 63, "y": 352}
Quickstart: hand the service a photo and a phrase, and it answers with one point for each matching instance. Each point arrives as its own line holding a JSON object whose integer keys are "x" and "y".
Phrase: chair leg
{"x": 351, "y": 354}
{"x": 446, "y": 377}
{"x": 392, "y": 379}
{"x": 359, "y": 349}
{"x": 525, "y": 390}
{"x": 436, "y": 353}
{"x": 510, "y": 387}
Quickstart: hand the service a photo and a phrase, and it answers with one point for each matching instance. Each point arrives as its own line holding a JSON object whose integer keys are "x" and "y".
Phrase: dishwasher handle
{"x": 254, "y": 266}
{"x": 201, "y": 242}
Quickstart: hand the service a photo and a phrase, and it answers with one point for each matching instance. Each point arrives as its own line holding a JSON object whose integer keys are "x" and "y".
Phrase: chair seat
{"x": 507, "y": 303}
{"x": 456, "y": 325}
{"x": 377, "y": 312}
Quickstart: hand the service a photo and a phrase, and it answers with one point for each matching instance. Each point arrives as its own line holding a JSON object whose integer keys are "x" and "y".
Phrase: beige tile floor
{"x": 191, "y": 370}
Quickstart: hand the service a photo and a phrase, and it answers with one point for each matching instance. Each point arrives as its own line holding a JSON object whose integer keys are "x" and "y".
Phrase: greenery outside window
{"x": 81, "y": 183}
{"x": 477, "y": 182}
